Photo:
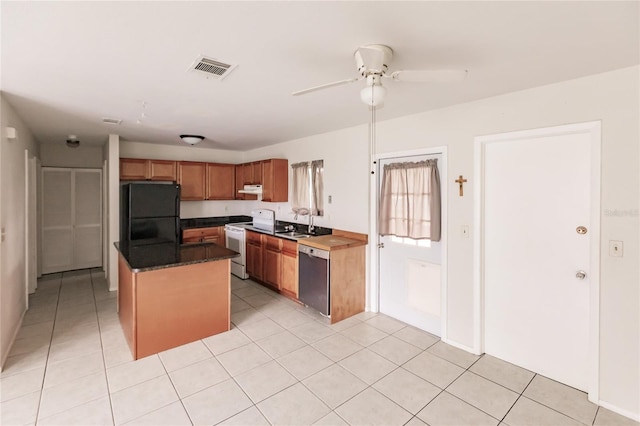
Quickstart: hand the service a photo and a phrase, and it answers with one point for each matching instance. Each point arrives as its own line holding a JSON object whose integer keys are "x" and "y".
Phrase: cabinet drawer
{"x": 254, "y": 237}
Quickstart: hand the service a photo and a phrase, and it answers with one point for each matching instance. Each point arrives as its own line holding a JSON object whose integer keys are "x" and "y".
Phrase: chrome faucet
{"x": 310, "y": 227}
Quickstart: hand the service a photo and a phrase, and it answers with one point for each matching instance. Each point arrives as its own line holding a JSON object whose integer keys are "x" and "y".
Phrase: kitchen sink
{"x": 293, "y": 234}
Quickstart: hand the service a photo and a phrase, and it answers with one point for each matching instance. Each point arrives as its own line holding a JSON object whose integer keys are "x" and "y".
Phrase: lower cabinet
{"x": 214, "y": 234}
{"x": 289, "y": 275}
{"x": 273, "y": 261}
{"x": 254, "y": 255}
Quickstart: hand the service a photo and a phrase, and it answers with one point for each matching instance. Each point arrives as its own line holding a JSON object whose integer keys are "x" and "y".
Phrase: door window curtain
{"x": 308, "y": 188}
{"x": 410, "y": 200}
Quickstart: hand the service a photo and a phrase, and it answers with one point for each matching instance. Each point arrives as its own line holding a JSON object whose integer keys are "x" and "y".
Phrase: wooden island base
{"x": 164, "y": 308}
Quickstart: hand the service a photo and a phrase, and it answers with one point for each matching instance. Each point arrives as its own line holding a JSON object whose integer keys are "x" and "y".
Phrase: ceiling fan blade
{"x": 324, "y": 86}
{"x": 436, "y": 76}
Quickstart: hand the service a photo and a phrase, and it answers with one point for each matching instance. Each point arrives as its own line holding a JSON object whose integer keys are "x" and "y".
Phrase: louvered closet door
{"x": 71, "y": 219}
{"x": 87, "y": 235}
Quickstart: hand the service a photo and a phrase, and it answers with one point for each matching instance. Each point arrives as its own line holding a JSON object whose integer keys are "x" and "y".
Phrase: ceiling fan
{"x": 372, "y": 61}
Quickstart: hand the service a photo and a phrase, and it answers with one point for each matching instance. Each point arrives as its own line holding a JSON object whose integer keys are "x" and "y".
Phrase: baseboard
{"x": 5, "y": 355}
{"x": 618, "y": 410}
{"x": 460, "y": 346}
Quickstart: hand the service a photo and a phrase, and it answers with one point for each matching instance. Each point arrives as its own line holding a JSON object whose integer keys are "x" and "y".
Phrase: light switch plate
{"x": 615, "y": 248}
{"x": 464, "y": 231}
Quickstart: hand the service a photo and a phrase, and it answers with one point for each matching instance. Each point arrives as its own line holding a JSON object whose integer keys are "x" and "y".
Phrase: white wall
{"x": 346, "y": 176}
{"x": 13, "y": 300}
{"x": 60, "y": 155}
{"x": 111, "y": 155}
{"x": 611, "y": 97}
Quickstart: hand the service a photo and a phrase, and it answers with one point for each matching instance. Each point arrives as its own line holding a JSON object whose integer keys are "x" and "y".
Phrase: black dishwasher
{"x": 313, "y": 278}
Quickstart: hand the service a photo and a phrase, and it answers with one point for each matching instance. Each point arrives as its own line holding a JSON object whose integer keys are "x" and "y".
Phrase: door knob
{"x": 581, "y": 275}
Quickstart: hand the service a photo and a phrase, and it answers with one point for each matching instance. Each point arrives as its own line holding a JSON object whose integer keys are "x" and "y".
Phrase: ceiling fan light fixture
{"x": 373, "y": 95}
{"x": 192, "y": 139}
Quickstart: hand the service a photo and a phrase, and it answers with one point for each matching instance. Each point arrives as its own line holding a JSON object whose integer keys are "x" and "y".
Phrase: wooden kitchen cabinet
{"x": 213, "y": 234}
{"x": 254, "y": 255}
{"x": 163, "y": 170}
{"x": 239, "y": 169}
{"x": 221, "y": 181}
{"x": 275, "y": 180}
{"x": 143, "y": 169}
{"x": 133, "y": 169}
{"x": 192, "y": 180}
{"x": 289, "y": 269}
{"x": 272, "y": 261}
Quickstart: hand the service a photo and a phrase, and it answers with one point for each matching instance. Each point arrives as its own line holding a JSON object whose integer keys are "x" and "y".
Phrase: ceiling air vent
{"x": 211, "y": 68}
{"x": 114, "y": 121}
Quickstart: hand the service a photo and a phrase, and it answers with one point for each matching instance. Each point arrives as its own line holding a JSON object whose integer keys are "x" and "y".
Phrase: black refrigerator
{"x": 150, "y": 213}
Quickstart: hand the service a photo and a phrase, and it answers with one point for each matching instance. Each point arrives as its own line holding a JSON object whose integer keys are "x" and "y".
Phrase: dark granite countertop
{"x": 205, "y": 222}
{"x": 160, "y": 255}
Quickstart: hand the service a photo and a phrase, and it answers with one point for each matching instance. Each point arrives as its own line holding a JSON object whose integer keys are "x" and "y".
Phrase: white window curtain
{"x": 308, "y": 188}
{"x": 410, "y": 200}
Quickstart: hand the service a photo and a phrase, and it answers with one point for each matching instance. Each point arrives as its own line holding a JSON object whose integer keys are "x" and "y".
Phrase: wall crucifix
{"x": 460, "y": 181}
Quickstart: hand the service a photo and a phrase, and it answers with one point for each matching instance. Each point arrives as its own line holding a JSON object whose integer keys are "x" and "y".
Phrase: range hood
{"x": 251, "y": 189}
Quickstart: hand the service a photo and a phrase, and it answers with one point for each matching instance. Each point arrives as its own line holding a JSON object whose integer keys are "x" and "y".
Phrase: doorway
{"x": 412, "y": 272}
{"x": 537, "y": 257}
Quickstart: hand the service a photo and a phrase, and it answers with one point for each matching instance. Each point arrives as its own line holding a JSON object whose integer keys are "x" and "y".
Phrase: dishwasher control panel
{"x": 313, "y": 252}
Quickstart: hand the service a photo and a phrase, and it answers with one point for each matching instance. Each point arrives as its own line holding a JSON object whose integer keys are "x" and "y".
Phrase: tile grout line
{"x": 104, "y": 363}
{"x": 46, "y": 365}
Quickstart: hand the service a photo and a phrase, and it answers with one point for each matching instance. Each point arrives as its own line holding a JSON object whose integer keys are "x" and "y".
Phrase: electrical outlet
{"x": 464, "y": 231}
{"x": 226, "y": 208}
{"x": 615, "y": 248}
{"x": 330, "y": 199}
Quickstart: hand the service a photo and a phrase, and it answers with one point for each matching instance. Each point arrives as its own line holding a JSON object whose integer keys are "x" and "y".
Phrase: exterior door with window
{"x": 409, "y": 277}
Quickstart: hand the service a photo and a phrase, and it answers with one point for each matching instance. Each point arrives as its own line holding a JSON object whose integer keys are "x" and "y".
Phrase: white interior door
{"x": 87, "y": 234}
{"x": 57, "y": 220}
{"x": 536, "y": 193}
{"x": 72, "y": 219}
{"x": 410, "y": 278}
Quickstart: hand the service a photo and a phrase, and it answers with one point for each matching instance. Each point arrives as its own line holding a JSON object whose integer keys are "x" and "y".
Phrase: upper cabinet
{"x": 221, "y": 181}
{"x": 163, "y": 170}
{"x": 142, "y": 169}
{"x": 192, "y": 178}
{"x": 214, "y": 181}
{"x": 275, "y": 180}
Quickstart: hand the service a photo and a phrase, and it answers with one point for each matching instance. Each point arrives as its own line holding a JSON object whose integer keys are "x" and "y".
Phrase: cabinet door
{"x": 248, "y": 179}
{"x": 254, "y": 254}
{"x": 271, "y": 260}
{"x": 134, "y": 169}
{"x": 239, "y": 181}
{"x": 267, "y": 180}
{"x": 257, "y": 172}
{"x": 254, "y": 260}
{"x": 191, "y": 177}
{"x": 275, "y": 180}
{"x": 162, "y": 170}
{"x": 221, "y": 181}
{"x": 272, "y": 266}
{"x": 289, "y": 274}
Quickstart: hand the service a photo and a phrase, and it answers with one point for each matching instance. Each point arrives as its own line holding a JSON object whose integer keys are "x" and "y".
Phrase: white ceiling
{"x": 66, "y": 65}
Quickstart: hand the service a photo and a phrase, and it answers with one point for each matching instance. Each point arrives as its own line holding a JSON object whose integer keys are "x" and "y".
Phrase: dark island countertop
{"x": 149, "y": 257}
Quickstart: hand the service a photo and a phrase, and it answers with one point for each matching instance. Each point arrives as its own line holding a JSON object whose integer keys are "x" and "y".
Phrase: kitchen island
{"x": 171, "y": 294}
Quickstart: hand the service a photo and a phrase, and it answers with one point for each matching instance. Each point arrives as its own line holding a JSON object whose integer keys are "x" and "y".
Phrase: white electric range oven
{"x": 235, "y": 238}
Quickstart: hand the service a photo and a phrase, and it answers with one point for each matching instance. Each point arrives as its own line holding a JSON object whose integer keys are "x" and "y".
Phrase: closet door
{"x": 87, "y": 235}
{"x": 71, "y": 219}
{"x": 57, "y": 220}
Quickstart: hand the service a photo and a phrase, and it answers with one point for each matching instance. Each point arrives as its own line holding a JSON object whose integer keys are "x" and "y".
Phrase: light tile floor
{"x": 280, "y": 364}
